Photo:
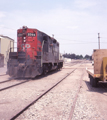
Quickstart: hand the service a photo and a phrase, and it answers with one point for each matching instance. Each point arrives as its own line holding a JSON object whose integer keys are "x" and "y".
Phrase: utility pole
{"x": 99, "y": 40}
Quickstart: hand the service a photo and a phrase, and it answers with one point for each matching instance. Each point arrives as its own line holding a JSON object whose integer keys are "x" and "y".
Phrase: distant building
{"x": 5, "y": 44}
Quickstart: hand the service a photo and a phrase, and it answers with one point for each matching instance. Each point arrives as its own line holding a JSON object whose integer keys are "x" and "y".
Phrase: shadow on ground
{"x": 101, "y": 87}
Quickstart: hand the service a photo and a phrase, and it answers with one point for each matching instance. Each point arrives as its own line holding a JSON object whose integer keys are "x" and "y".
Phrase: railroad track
{"x": 39, "y": 97}
{"x": 75, "y": 99}
{"x": 11, "y": 86}
{"x": 76, "y": 96}
{"x": 5, "y": 81}
{"x": 16, "y": 84}
{"x": 22, "y": 82}
{"x": 43, "y": 94}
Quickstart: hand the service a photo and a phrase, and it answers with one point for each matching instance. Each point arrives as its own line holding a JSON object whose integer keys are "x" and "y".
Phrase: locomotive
{"x": 37, "y": 53}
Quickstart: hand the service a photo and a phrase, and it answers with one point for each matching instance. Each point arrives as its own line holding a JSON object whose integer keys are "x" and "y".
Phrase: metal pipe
{"x": 33, "y": 53}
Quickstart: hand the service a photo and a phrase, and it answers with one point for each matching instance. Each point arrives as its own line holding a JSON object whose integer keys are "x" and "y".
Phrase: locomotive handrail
{"x": 12, "y": 49}
{"x": 42, "y": 52}
{"x": 8, "y": 50}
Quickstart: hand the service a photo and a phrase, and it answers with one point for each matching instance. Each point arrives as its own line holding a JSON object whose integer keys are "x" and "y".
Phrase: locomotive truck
{"x": 37, "y": 53}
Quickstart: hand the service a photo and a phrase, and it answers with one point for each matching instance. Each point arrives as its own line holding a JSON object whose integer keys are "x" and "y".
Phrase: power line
{"x": 7, "y": 28}
{"x": 83, "y": 43}
{"x": 78, "y": 40}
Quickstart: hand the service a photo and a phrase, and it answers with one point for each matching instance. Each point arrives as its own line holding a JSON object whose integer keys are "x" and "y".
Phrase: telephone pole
{"x": 99, "y": 40}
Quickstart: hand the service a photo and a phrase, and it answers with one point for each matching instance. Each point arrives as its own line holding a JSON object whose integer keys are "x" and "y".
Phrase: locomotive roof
{"x": 25, "y": 27}
{"x": 48, "y": 36}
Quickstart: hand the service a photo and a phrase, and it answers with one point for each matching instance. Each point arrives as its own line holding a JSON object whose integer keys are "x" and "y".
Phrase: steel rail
{"x": 5, "y": 81}
{"x": 14, "y": 85}
{"x": 75, "y": 99}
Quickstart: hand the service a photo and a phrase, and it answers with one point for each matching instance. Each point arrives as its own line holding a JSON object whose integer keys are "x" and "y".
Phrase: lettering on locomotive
{"x": 28, "y": 34}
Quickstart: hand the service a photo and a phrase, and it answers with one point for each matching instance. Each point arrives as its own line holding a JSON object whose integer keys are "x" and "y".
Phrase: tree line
{"x": 74, "y": 56}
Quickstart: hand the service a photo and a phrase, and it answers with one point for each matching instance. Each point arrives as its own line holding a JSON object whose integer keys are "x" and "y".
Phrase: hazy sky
{"x": 74, "y": 23}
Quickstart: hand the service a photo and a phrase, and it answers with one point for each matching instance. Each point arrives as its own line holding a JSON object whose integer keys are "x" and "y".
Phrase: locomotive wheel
{"x": 59, "y": 66}
{"x": 44, "y": 69}
{"x": 44, "y": 72}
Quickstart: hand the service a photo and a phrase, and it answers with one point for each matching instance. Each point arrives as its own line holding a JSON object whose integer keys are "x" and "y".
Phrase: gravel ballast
{"x": 56, "y": 105}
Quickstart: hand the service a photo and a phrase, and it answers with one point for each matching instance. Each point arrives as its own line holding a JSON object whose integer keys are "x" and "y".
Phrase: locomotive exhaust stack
{"x": 37, "y": 53}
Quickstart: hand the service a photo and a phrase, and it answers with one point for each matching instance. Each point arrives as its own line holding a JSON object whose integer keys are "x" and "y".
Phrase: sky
{"x": 74, "y": 23}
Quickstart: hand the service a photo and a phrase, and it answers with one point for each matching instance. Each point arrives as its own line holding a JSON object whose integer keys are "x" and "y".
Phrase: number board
{"x": 31, "y": 34}
{"x": 19, "y": 34}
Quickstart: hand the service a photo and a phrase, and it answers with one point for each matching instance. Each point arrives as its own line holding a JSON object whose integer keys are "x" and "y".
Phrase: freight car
{"x": 37, "y": 53}
{"x": 99, "y": 71}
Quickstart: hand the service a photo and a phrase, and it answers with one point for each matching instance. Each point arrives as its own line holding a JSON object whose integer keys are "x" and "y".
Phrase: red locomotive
{"x": 37, "y": 53}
